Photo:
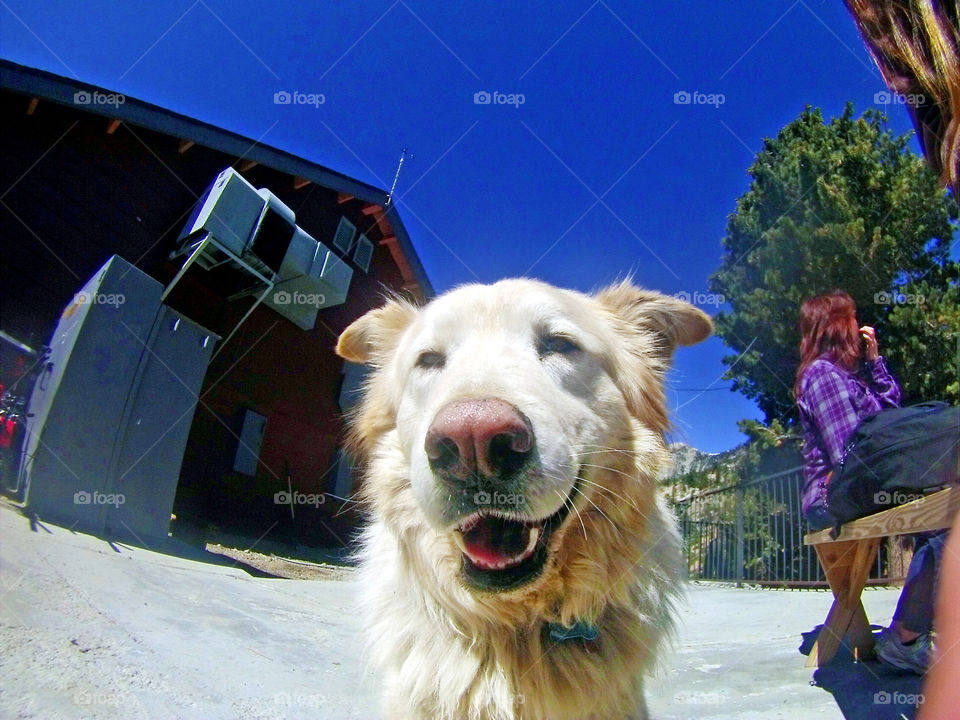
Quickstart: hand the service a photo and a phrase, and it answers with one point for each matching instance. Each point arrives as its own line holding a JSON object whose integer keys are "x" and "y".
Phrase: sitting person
{"x": 835, "y": 390}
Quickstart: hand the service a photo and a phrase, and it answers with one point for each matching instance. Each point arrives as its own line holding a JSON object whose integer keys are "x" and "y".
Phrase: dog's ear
{"x": 375, "y": 333}
{"x": 670, "y": 320}
{"x": 651, "y": 326}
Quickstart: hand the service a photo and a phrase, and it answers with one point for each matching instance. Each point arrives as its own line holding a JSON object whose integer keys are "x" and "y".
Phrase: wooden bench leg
{"x": 847, "y": 565}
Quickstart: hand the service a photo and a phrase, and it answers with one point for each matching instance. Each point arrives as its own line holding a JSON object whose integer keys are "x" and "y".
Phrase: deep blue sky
{"x": 597, "y": 174}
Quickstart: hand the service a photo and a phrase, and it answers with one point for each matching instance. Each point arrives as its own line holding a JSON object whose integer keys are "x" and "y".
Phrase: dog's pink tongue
{"x": 495, "y": 543}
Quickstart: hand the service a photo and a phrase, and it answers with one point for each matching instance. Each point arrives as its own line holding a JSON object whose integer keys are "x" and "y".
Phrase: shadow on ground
{"x": 868, "y": 689}
{"x": 169, "y": 546}
{"x": 261, "y": 556}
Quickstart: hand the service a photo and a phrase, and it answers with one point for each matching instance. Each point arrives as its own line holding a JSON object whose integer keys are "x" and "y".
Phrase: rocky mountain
{"x": 687, "y": 458}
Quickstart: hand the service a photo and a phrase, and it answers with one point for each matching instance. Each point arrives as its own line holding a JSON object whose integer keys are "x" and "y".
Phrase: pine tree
{"x": 843, "y": 204}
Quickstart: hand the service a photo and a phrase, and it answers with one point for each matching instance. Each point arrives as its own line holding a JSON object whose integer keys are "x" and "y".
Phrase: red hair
{"x": 828, "y": 325}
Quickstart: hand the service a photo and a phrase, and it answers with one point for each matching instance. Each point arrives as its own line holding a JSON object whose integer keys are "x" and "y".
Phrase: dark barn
{"x": 88, "y": 174}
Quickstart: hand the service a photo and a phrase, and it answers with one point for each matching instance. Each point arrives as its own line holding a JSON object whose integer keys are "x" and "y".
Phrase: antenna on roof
{"x": 403, "y": 156}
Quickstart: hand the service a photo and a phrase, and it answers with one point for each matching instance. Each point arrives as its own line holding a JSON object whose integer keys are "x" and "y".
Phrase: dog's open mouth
{"x": 501, "y": 552}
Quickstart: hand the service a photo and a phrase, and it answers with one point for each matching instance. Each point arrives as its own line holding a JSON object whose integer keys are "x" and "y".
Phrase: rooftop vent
{"x": 363, "y": 254}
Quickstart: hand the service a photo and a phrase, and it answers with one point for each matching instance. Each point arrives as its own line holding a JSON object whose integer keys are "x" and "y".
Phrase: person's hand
{"x": 869, "y": 336}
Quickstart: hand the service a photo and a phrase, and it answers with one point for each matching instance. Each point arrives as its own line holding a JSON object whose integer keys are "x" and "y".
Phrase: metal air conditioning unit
{"x": 112, "y": 408}
{"x": 310, "y": 278}
{"x": 230, "y": 211}
{"x": 253, "y": 230}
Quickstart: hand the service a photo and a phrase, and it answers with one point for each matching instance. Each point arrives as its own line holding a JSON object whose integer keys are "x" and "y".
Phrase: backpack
{"x": 894, "y": 457}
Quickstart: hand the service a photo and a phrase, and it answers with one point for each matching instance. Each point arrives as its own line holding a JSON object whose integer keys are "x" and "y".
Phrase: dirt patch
{"x": 281, "y": 566}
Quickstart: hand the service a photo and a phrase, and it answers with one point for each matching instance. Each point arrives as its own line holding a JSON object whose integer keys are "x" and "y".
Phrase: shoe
{"x": 914, "y": 656}
{"x": 885, "y": 637}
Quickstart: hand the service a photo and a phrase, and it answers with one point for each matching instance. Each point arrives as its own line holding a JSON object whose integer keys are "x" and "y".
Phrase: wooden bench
{"x": 846, "y": 561}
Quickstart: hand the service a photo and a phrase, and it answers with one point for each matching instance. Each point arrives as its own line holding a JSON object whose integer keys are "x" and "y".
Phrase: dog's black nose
{"x": 489, "y": 438}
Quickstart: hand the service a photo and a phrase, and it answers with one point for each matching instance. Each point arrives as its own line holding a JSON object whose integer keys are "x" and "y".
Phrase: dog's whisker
{"x": 611, "y": 492}
{"x": 615, "y": 471}
{"x": 606, "y": 489}
{"x": 604, "y": 450}
{"x": 626, "y": 441}
{"x": 573, "y": 506}
{"x": 606, "y": 517}
{"x": 630, "y": 502}
{"x": 597, "y": 485}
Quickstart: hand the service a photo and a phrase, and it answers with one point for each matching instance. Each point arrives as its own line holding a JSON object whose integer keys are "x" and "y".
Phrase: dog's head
{"x": 498, "y": 417}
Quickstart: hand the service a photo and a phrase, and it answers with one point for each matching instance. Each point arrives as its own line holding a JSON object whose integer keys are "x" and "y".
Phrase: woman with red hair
{"x": 838, "y": 385}
{"x": 834, "y": 391}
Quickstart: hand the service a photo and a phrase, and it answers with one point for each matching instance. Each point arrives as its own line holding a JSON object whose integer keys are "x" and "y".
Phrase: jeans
{"x": 915, "y": 607}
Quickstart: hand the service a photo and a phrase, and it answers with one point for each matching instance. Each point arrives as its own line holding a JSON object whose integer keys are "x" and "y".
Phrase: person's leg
{"x": 906, "y": 643}
{"x": 914, "y": 614}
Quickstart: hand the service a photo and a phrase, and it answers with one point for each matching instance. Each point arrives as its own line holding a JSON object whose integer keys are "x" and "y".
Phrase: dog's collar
{"x": 580, "y": 630}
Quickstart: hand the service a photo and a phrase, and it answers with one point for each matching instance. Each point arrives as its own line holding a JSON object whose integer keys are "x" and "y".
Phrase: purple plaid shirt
{"x": 832, "y": 403}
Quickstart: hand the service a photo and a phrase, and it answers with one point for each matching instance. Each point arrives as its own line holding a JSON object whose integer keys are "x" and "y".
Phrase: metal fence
{"x": 752, "y": 532}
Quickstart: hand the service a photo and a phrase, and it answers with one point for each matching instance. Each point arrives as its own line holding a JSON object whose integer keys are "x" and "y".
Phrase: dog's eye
{"x": 557, "y": 344}
{"x": 431, "y": 359}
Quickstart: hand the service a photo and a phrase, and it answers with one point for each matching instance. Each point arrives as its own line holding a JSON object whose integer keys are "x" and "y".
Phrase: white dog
{"x": 518, "y": 563}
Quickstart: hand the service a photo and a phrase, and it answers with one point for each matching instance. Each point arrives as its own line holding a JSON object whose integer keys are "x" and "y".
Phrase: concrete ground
{"x": 738, "y": 656}
{"x": 90, "y": 629}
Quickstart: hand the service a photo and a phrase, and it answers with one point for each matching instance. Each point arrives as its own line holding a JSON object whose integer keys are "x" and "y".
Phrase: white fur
{"x": 447, "y": 651}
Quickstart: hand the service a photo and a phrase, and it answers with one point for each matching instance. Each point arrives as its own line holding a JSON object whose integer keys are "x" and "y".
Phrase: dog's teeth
{"x": 532, "y": 542}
